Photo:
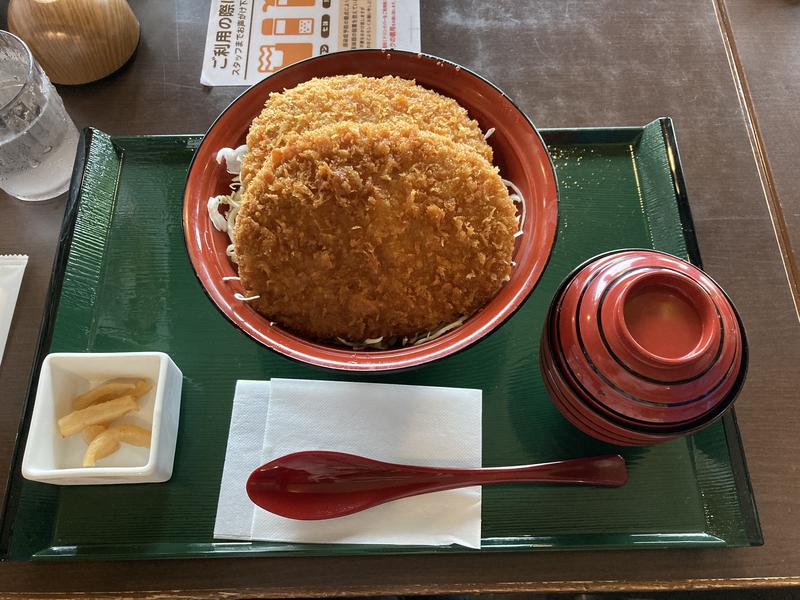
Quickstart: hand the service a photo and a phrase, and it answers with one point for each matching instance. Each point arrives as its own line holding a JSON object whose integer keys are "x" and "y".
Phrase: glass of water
{"x": 37, "y": 138}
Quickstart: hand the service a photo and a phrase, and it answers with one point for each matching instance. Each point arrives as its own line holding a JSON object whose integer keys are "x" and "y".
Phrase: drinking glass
{"x": 37, "y": 137}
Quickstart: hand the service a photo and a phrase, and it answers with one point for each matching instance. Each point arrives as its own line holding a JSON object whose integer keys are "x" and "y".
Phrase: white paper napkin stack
{"x": 395, "y": 423}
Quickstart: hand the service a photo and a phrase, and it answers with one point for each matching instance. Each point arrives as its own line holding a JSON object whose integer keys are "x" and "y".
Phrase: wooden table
{"x": 725, "y": 70}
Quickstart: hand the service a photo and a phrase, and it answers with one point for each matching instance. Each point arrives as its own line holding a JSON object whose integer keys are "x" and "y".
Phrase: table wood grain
{"x": 568, "y": 64}
{"x": 766, "y": 51}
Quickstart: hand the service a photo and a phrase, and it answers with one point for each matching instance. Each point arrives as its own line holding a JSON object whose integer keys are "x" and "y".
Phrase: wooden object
{"x": 76, "y": 41}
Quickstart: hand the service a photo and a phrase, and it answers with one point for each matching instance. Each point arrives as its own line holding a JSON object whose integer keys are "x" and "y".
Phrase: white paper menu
{"x": 250, "y": 39}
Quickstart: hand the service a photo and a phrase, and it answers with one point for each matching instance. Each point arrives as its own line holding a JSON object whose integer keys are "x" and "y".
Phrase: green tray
{"x": 123, "y": 282}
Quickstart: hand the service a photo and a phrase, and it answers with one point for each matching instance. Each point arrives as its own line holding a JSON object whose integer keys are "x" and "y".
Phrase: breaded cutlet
{"x": 358, "y": 99}
{"x": 359, "y": 231}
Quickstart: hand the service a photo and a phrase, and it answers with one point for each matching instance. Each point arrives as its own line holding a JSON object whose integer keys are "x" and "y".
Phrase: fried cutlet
{"x": 358, "y": 99}
{"x": 359, "y": 231}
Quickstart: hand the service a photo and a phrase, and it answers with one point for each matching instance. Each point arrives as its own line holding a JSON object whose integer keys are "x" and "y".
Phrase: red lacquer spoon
{"x": 321, "y": 485}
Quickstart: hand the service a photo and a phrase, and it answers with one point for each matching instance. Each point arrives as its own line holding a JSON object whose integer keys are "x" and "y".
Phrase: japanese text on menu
{"x": 249, "y": 39}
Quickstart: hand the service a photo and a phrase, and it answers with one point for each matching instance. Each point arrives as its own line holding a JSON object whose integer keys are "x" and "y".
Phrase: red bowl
{"x": 652, "y": 335}
{"x": 642, "y": 347}
{"x": 580, "y": 413}
{"x": 519, "y": 152}
{"x": 575, "y": 410}
{"x": 561, "y": 400}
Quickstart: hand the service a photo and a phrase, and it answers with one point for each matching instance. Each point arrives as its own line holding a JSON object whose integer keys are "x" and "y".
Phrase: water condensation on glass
{"x": 37, "y": 136}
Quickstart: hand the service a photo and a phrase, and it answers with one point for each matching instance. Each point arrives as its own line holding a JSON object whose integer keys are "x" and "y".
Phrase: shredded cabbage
{"x": 226, "y": 222}
{"x": 232, "y": 158}
{"x": 518, "y": 199}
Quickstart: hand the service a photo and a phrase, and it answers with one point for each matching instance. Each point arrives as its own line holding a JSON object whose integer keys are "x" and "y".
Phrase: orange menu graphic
{"x": 268, "y": 3}
{"x": 276, "y": 56}
{"x": 297, "y": 26}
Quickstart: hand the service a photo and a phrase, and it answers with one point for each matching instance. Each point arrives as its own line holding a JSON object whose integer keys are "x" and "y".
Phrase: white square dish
{"x": 51, "y": 458}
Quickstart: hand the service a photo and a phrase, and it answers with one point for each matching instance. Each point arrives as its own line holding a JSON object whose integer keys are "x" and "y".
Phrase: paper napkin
{"x": 12, "y": 266}
{"x": 395, "y": 423}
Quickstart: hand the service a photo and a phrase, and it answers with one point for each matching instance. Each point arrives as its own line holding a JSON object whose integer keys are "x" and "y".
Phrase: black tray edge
{"x": 11, "y": 496}
{"x": 733, "y": 438}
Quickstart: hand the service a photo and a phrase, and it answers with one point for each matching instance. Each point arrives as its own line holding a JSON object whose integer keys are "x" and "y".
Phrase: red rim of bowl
{"x": 638, "y": 427}
{"x": 205, "y": 245}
